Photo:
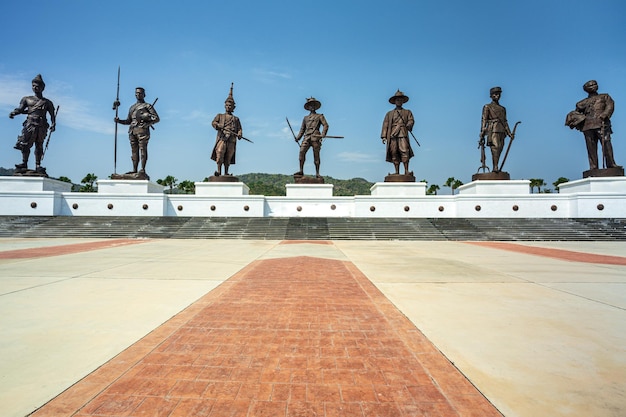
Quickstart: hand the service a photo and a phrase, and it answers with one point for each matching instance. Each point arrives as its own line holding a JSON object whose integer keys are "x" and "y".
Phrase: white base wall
{"x": 586, "y": 198}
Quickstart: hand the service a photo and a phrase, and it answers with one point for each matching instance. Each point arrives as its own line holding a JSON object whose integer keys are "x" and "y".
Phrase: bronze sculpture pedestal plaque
{"x": 140, "y": 175}
{"x": 616, "y": 171}
{"x": 303, "y": 179}
{"x": 223, "y": 178}
{"x": 400, "y": 178}
{"x": 491, "y": 176}
{"x": 25, "y": 172}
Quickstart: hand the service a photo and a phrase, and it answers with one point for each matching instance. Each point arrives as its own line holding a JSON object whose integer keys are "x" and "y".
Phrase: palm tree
{"x": 558, "y": 182}
{"x": 537, "y": 182}
{"x": 88, "y": 181}
{"x": 168, "y": 181}
{"x": 453, "y": 183}
{"x": 432, "y": 190}
{"x": 187, "y": 187}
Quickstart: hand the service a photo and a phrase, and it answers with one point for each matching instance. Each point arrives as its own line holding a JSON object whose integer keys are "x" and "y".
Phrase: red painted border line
{"x": 47, "y": 251}
{"x": 566, "y": 255}
{"x": 298, "y": 242}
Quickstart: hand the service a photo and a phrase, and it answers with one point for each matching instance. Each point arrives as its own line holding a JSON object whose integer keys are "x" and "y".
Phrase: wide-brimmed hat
{"x": 399, "y": 94}
{"x": 312, "y": 104}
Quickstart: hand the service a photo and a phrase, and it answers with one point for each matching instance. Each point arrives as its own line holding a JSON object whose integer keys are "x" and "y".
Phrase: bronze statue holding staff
{"x": 141, "y": 117}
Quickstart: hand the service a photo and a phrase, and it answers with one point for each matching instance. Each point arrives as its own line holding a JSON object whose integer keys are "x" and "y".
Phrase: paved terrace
{"x": 169, "y": 327}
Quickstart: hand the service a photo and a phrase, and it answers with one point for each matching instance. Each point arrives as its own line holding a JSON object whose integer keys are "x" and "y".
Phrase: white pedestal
{"x": 33, "y": 184}
{"x": 398, "y": 189}
{"x": 310, "y": 190}
{"x": 495, "y": 187}
{"x": 595, "y": 185}
{"x": 129, "y": 187}
{"x": 222, "y": 189}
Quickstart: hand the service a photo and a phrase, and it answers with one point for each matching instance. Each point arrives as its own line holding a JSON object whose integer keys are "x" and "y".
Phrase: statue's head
{"x": 140, "y": 93}
{"x": 38, "y": 84}
{"x": 312, "y": 104}
{"x": 229, "y": 104}
{"x": 495, "y": 90}
{"x": 399, "y": 98}
{"x": 591, "y": 86}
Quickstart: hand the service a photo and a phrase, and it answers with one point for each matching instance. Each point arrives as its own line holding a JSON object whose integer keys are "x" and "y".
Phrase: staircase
{"x": 301, "y": 228}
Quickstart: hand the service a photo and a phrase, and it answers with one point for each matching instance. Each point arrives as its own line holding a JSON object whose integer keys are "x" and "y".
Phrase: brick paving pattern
{"x": 566, "y": 255}
{"x": 294, "y": 336}
{"x": 66, "y": 249}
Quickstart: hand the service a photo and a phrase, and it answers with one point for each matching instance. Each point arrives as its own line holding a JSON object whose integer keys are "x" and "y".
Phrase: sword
{"x": 153, "y": 103}
{"x": 509, "y": 147}
{"x": 241, "y": 137}
{"x": 49, "y": 134}
{"x": 233, "y": 133}
{"x": 404, "y": 121}
{"x": 329, "y": 136}
{"x": 292, "y": 132}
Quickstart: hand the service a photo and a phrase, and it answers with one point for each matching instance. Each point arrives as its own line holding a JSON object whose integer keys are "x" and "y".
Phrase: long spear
{"x": 116, "y": 105}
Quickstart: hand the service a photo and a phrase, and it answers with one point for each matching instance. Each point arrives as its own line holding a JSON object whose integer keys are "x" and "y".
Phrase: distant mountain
{"x": 274, "y": 184}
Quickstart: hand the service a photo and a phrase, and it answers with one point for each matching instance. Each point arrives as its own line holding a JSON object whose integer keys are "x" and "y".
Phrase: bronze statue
{"x": 35, "y": 126}
{"x": 310, "y": 130}
{"x": 593, "y": 117}
{"x": 229, "y": 131}
{"x": 495, "y": 128}
{"x": 141, "y": 117}
{"x": 397, "y": 126}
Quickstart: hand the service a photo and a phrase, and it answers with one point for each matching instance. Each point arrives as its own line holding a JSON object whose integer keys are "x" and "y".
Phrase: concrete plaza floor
{"x": 537, "y": 332}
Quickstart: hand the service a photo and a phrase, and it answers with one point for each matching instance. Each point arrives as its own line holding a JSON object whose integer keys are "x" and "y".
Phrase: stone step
{"x": 300, "y": 228}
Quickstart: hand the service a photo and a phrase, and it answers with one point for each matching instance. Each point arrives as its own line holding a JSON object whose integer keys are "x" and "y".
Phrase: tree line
{"x": 274, "y": 184}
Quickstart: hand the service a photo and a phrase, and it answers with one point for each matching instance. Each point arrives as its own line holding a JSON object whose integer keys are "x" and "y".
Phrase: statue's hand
{"x": 384, "y": 141}
{"x": 53, "y": 127}
{"x": 12, "y": 115}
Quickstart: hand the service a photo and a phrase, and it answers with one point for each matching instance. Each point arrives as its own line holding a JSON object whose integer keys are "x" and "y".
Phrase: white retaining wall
{"x": 586, "y": 198}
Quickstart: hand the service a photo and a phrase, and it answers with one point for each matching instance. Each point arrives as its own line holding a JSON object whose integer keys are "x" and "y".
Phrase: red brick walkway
{"x": 284, "y": 337}
{"x": 566, "y": 255}
{"x": 46, "y": 251}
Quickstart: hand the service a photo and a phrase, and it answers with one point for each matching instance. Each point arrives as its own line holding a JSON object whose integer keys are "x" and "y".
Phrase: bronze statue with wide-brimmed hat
{"x": 397, "y": 126}
{"x": 311, "y": 136}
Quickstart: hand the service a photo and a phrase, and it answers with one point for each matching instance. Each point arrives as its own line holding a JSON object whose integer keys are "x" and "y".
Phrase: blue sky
{"x": 352, "y": 56}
